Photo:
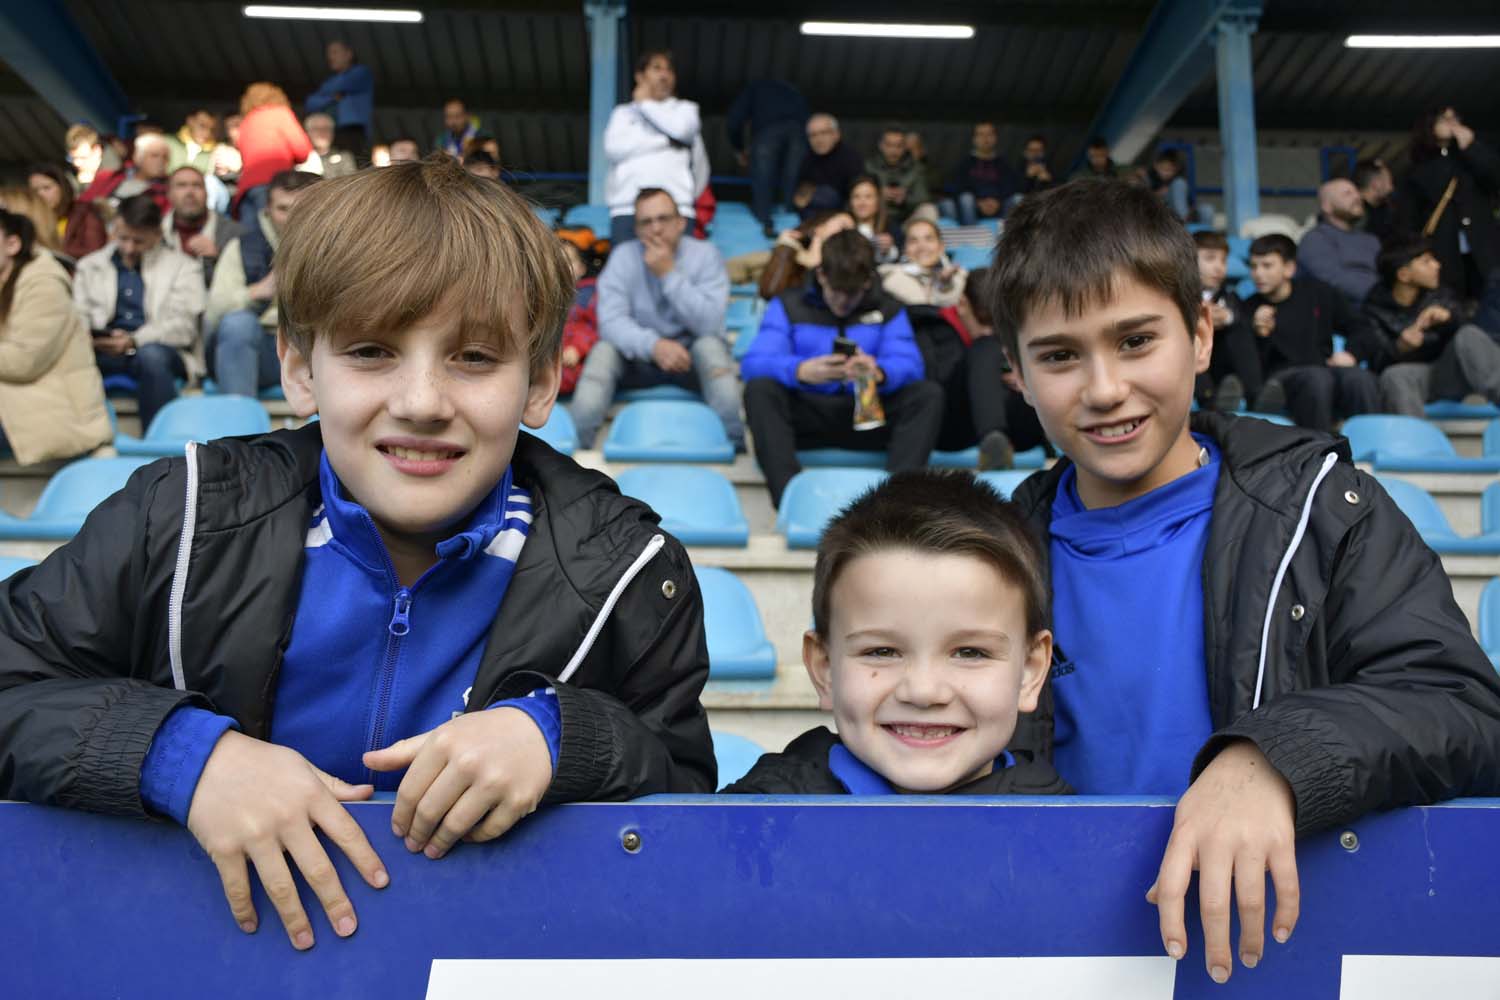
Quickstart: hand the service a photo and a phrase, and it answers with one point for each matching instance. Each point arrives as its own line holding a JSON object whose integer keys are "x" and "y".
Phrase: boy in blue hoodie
{"x": 1241, "y": 617}
{"x": 409, "y": 594}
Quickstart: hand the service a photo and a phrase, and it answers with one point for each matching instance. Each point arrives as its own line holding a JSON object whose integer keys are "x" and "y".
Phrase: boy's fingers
{"x": 1250, "y": 896}
{"x": 1169, "y": 893}
{"x": 276, "y": 879}
{"x": 342, "y": 790}
{"x": 312, "y": 861}
{"x": 434, "y": 804}
{"x": 396, "y": 756}
{"x": 334, "y": 820}
{"x": 466, "y": 814}
{"x": 497, "y": 823}
{"x": 236, "y": 879}
{"x": 1283, "y": 865}
{"x": 423, "y": 771}
{"x": 1215, "y": 874}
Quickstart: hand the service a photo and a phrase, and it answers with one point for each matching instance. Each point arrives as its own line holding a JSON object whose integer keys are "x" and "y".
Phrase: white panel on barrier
{"x": 1122, "y": 978}
{"x": 1401, "y": 977}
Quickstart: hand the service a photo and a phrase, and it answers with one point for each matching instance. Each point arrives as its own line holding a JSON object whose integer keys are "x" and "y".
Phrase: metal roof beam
{"x": 44, "y": 46}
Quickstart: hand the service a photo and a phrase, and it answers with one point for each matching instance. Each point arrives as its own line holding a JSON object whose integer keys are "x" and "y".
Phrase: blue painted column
{"x": 604, "y": 74}
{"x": 1237, "y": 118}
{"x": 40, "y": 41}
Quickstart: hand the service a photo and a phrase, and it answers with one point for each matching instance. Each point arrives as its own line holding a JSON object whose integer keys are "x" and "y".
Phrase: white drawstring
{"x": 652, "y": 548}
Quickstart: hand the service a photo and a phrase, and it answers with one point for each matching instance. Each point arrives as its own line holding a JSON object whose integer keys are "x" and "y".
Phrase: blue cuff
{"x": 541, "y": 706}
{"x": 177, "y": 757}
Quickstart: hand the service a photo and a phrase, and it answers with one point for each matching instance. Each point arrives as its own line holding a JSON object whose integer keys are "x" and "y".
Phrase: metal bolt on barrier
{"x": 631, "y": 841}
{"x": 1349, "y": 840}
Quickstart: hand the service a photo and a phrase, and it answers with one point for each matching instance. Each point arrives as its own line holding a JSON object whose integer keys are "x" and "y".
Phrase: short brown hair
{"x": 1072, "y": 244}
{"x": 381, "y": 249}
{"x": 939, "y": 511}
{"x": 1210, "y": 240}
{"x": 262, "y": 94}
{"x": 80, "y": 133}
{"x": 848, "y": 261}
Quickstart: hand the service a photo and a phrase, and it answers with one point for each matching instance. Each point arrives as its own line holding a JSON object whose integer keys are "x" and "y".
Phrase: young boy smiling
{"x": 924, "y": 683}
{"x": 1242, "y": 618}
{"x": 409, "y": 594}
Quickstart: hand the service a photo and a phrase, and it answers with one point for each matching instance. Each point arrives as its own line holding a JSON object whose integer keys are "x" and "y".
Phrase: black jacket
{"x": 92, "y": 640}
{"x": 1471, "y": 210}
{"x": 802, "y": 769}
{"x": 1375, "y": 694}
{"x": 1305, "y": 324}
{"x": 1388, "y": 319}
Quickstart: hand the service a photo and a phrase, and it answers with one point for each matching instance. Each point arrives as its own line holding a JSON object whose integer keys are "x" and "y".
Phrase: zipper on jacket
{"x": 397, "y": 628}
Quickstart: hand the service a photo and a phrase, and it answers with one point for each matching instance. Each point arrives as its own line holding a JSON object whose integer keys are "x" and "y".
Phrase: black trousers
{"x": 977, "y": 401}
{"x": 782, "y": 420}
{"x": 351, "y": 139}
{"x": 1317, "y": 394}
{"x": 1235, "y": 353}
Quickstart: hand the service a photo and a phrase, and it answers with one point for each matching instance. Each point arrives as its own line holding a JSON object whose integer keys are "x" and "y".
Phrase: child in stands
{"x": 409, "y": 594}
{"x": 1242, "y": 618}
{"x": 1233, "y": 374}
{"x": 924, "y": 682}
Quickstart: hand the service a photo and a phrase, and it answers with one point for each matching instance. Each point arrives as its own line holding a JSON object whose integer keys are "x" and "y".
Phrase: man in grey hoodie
{"x": 1334, "y": 251}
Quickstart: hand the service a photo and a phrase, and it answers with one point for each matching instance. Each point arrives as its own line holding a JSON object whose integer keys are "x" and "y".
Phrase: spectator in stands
{"x": 85, "y": 153}
{"x": 799, "y": 251}
{"x": 23, "y": 201}
{"x": 828, "y": 170}
{"x": 1448, "y": 197}
{"x": 1373, "y": 178}
{"x": 1295, "y": 321}
{"x": 982, "y": 183}
{"x": 1180, "y": 545}
{"x": 481, "y": 164}
{"x": 242, "y": 314}
{"x": 271, "y": 142}
{"x": 662, "y": 301}
{"x": 581, "y": 328}
{"x": 928, "y": 719}
{"x": 145, "y": 173}
{"x": 349, "y": 95}
{"x": 422, "y": 378}
{"x": 320, "y": 132}
{"x": 194, "y": 143}
{"x": 653, "y": 142}
{"x": 924, "y": 276}
{"x": 142, "y": 300}
{"x": 1424, "y": 350}
{"x": 1335, "y": 251}
{"x": 902, "y": 181}
{"x": 459, "y": 128}
{"x": 1233, "y": 374}
{"x": 483, "y": 144}
{"x": 191, "y": 227}
{"x": 79, "y": 226}
{"x": 774, "y": 111}
{"x": 380, "y": 155}
{"x": 1097, "y": 162}
{"x": 1169, "y": 184}
{"x": 51, "y": 398}
{"x": 405, "y": 150}
{"x": 917, "y": 147}
{"x": 798, "y": 385}
{"x": 867, "y": 207}
{"x": 1036, "y": 173}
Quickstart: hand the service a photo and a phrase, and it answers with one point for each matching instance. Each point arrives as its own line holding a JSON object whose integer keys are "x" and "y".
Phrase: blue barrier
{"x": 764, "y": 897}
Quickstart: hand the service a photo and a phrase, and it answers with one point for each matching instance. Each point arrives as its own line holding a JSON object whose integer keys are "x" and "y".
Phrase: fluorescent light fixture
{"x": 1422, "y": 42}
{"x": 335, "y": 13}
{"x": 865, "y": 29}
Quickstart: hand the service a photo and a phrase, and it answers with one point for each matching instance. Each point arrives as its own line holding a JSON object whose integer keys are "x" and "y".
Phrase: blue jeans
{"x": 242, "y": 355}
{"x": 714, "y": 375}
{"x": 775, "y": 160}
{"x": 253, "y": 202}
{"x": 155, "y": 368}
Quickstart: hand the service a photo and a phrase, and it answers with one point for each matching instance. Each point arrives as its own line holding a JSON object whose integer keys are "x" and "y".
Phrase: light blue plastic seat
{"x": 1275, "y": 418}
{"x": 270, "y": 392}
{"x": 667, "y": 431}
{"x": 11, "y": 565}
{"x": 1236, "y": 269}
{"x": 944, "y": 222}
{"x": 785, "y": 220}
{"x": 1455, "y": 409}
{"x": 1426, "y": 516}
{"x": 69, "y": 496}
{"x": 120, "y": 385}
{"x": 1492, "y": 440}
{"x": 656, "y": 392}
{"x": 697, "y": 505}
{"x": 1489, "y": 620}
{"x": 970, "y": 258}
{"x": 196, "y": 418}
{"x": 738, "y": 649}
{"x": 1005, "y": 481}
{"x": 814, "y": 496}
{"x": 596, "y": 217}
{"x": 735, "y": 756}
{"x": 1245, "y": 288}
{"x": 731, "y": 210}
{"x": 558, "y": 431}
{"x": 547, "y": 215}
{"x": 967, "y": 458}
{"x": 1489, "y": 510}
{"x": 1395, "y": 443}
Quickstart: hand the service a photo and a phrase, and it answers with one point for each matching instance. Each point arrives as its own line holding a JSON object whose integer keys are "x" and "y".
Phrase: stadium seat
{"x": 667, "y": 431}
{"x": 1454, "y": 409}
{"x": 945, "y": 222}
{"x": 1489, "y": 510}
{"x": 1492, "y": 440}
{"x": 1275, "y": 418}
{"x": 656, "y": 392}
{"x": 735, "y": 756}
{"x": 785, "y": 220}
{"x": 1489, "y": 620}
{"x": 1408, "y": 444}
{"x": 120, "y": 385}
{"x": 211, "y": 388}
{"x": 970, "y": 258}
{"x": 596, "y": 217}
{"x": 1245, "y": 288}
{"x": 814, "y": 496}
{"x": 1427, "y": 517}
{"x": 68, "y": 497}
{"x": 1006, "y": 481}
{"x": 737, "y": 645}
{"x": 11, "y": 565}
{"x": 697, "y": 505}
{"x": 547, "y": 215}
{"x": 968, "y": 458}
{"x": 196, "y": 418}
{"x": 558, "y": 431}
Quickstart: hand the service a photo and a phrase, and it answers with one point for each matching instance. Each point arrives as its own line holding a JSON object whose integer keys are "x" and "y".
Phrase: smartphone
{"x": 843, "y": 345}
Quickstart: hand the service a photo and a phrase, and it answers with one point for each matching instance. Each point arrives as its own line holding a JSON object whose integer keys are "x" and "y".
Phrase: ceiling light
{"x": 864, "y": 29}
{"x": 335, "y": 13}
{"x": 1422, "y": 42}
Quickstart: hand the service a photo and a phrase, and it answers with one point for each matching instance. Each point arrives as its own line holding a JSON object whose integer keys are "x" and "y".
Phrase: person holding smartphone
{"x": 902, "y": 180}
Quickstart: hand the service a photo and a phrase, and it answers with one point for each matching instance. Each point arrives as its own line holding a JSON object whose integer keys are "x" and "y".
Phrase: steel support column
{"x": 604, "y": 17}
{"x": 1236, "y": 83}
{"x": 42, "y": 43}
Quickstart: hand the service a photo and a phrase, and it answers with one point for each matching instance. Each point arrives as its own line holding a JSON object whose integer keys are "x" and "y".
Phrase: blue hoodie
{"x": 369, "y": 662}
{"x": 1130, "y": 681}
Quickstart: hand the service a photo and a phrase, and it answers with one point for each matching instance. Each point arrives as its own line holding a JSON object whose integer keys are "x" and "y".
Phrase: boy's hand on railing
{"x": 261, "y": 802}
{"x": 1233, "y": 824}
{"x": 472, "y": 778}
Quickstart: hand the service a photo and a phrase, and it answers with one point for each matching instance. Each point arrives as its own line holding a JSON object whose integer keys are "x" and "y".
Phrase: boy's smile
{"x": 1113, "y": 388}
